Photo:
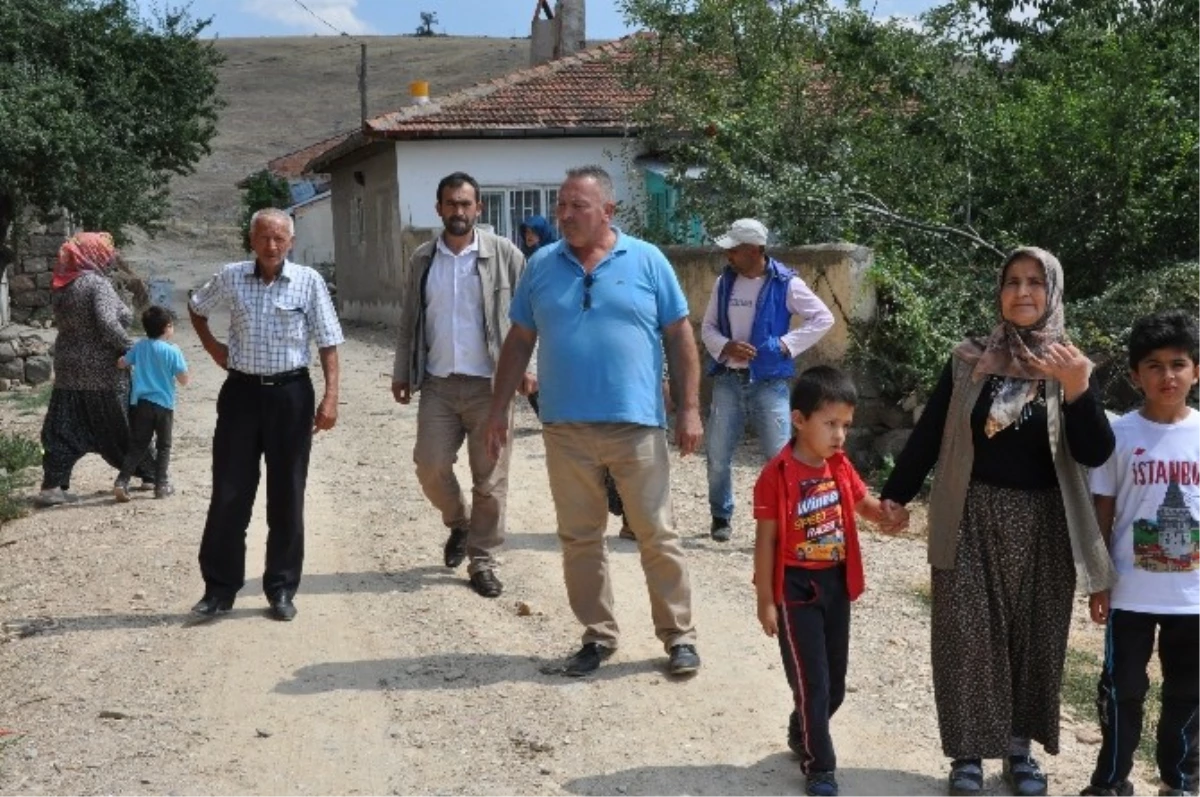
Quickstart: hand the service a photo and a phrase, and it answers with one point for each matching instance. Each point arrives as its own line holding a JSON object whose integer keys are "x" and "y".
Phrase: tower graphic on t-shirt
{"x": 1171, "y": 542}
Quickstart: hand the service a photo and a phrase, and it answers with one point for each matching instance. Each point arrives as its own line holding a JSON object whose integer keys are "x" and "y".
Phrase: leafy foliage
{"x": 16, "y": 454}
{"x": 100, "y": 109}
{"x": 262, "y": 190}
{"x": 939, "y": 145}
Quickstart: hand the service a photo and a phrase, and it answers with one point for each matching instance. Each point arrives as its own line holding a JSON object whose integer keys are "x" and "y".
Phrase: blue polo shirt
{"x": 600, "y": 360}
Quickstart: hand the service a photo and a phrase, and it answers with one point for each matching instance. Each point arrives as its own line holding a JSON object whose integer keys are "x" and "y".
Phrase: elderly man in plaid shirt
{"x": 266, "y": 408}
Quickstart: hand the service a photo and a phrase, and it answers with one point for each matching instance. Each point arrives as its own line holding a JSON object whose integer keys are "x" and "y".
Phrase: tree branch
{"x": 876, "y": 208}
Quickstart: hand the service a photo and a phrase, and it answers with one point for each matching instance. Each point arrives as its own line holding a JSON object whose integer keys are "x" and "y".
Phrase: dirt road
{"x": 395, "y": 677}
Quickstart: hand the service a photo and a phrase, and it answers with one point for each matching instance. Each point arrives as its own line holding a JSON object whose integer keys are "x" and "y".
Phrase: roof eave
{"x": 467, "y": 133}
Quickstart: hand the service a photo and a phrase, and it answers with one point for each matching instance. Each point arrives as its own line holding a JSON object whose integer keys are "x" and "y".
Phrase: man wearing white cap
{"x": 748, "y": 334}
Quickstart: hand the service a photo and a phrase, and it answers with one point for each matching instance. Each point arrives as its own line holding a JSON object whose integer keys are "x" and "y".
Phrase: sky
{"x": 501, "y": 18}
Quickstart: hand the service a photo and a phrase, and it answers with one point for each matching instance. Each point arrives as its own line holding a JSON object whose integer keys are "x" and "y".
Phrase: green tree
{"x": 262, "y": 190}
{"x": 100, "y": 108}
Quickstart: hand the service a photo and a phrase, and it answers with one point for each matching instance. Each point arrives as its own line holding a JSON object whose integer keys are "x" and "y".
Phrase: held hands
{"x": 894, "y": 517}
{"x": 1068, "y": 365}
{"x": 528, "y": 386}
{"x": 1098, "y": 605}
{"x": 402, "y": 392}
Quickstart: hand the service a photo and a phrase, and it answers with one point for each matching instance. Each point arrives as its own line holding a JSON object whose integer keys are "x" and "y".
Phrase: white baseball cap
{"x": 744, "y": 231}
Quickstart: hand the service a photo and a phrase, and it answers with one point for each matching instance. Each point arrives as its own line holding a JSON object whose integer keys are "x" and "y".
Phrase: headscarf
{"x": 83, "y": 252}
{"x": 541, "y": 228}
{"x": 1007, "y": 351}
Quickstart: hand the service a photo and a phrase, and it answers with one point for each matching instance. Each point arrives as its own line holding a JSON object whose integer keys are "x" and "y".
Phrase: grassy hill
{"x": 287, "y": 92}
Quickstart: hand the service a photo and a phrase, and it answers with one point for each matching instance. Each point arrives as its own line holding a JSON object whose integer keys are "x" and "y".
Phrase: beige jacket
{"x": 949, "y": 491}
{"x": 500, "y": 264}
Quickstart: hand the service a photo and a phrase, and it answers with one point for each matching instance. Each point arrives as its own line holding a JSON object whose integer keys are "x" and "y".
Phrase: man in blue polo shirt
{"x": 601, "y": 303}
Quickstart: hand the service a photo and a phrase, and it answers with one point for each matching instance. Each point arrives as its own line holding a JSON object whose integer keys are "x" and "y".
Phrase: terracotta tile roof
{"x": 295, "y": 164}
{"x": 581, "y": 93}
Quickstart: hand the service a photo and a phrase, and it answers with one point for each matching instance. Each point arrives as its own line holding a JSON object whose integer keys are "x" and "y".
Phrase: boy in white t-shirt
{"x": 1148, "y": 503}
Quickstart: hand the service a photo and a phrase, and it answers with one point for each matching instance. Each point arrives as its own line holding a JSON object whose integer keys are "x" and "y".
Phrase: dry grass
{"x": 285, "y": 93}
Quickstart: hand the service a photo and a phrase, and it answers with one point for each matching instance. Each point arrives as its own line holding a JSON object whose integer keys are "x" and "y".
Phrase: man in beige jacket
{"x": 454, "y": 319}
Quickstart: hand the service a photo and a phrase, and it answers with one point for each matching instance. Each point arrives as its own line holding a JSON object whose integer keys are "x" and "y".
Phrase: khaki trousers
{"x": 577, "y": 455}
{"x": 450, "y": 409}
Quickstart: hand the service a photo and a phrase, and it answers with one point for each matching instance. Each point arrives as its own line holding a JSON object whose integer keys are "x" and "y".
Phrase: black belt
{"x": 270, "y": 380}
{"x": 741, "y": 373}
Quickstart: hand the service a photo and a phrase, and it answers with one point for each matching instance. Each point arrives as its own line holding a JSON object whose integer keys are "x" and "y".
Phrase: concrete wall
{"x": 836, "y": 272}
{"x": 371, "y": 267}
{"x": 314, "y": 232}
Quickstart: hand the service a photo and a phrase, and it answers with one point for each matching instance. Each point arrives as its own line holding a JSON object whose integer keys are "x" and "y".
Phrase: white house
{"x": 314, "y": 230}
{"x": 516, "y": 135}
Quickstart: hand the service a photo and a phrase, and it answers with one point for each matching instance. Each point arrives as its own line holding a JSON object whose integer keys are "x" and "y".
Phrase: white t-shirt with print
{"x": 1154, "y": 473}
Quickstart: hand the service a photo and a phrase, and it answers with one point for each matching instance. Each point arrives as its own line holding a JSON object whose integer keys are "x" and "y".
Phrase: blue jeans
{"x": 733, "y": 401}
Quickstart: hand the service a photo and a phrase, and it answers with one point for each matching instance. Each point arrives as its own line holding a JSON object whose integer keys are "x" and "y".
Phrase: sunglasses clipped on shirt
{"x": 588, "y": 281}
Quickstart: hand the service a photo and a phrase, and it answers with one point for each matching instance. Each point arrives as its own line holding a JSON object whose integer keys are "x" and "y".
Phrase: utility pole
{"x": 362, "y": 83}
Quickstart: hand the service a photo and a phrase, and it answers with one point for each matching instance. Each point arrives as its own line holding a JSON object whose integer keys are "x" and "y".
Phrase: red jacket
{"x": 846, "y": 478}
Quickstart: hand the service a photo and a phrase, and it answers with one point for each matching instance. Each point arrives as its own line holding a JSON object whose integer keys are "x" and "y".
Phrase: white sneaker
{"x": 52, "y": 496}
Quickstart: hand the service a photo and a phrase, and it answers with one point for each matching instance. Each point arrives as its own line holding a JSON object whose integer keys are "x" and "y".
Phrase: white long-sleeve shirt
{"x": 815, "y": 318}
{"x": 454, "y": 314}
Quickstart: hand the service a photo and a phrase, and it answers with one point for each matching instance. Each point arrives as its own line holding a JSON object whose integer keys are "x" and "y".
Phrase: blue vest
{"x": 772, "y": 320}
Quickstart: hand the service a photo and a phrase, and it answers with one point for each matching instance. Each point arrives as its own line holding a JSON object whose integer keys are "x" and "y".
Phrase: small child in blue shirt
{"x": 156, "y": 364}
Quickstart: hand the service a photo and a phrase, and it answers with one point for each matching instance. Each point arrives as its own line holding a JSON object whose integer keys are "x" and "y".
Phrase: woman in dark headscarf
{"x": 535, "y": 232}
{"x": 1011, "y": 426}
{"x": 88, "y": 410}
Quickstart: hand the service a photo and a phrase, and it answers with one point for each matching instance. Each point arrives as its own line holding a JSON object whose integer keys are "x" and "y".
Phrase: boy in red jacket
{"x": 807, "y": 561}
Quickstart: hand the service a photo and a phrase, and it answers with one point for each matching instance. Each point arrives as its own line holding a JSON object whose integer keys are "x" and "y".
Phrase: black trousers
{"x": 1129, "y": 643}
{"x": 149, "y": 420}
{"x": 257, "y": 422}
{"x": 814, "y": 640}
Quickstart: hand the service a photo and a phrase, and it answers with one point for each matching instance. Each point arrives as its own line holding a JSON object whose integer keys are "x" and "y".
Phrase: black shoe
{"x": 1024, "y": 776}
{"x": 282, "y": 607}
{"x": 587, "y": 660}
{"x": 210, "y": 606}
{"x": 721, "y": 530}
{"x": 1122, "y": 789}
{"x": 684, "y": 660}
{"x": 486, "y": 584}
{"x": 966, "y": 777}
{"x": 456, "y": 548}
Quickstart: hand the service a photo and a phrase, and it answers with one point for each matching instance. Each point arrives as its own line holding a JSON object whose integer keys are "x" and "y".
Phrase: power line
{"x": 321, "y": 19}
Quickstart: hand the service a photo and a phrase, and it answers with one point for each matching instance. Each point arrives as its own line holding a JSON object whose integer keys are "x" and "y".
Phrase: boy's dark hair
{"x": 822, "y": 384}
{"x": 1171, "y": 329}
{"x": 457, "y": 180}
{"x": 155, "y": 320}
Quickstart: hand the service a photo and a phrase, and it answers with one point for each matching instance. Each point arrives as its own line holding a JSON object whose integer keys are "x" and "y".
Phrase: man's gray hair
{"x": 598, "y": 174}
{"x": 274, "y": 214}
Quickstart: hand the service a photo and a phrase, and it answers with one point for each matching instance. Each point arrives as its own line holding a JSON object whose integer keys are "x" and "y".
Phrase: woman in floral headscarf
{"x": 1011, "y": 426}
{"x": 88, "y": 409}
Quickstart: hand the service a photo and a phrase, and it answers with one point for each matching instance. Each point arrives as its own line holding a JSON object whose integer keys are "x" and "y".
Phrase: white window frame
{"x": 506, "y": 224}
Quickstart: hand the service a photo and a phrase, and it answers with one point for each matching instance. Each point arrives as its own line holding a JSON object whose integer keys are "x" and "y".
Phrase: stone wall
{"x": 838, "y": 274}
{"x": 29, "y": 276}
{"x": 26, "y": 355}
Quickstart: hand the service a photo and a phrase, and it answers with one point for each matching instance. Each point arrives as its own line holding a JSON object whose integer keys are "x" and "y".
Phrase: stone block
{"x": 18, "y": 314}
{"x": 12, "y": 332}
{"x": 22, "y": 283}
{"x": 37, "y": 265}
{"x": 32, "y": 344}
{"x": 5, "y": 384}
{"x": 890, "y": 444}
{"x": 8, "y": 351}
{"x": 38, "y": 370}
{"x": 14, "y": 369}
{"x": 31, "y": 299}
{"x": 42, "y": 245}
{"x": 44, "y": 279}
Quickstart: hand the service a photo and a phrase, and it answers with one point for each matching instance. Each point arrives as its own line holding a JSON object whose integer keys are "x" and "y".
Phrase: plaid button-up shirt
{"x": 270, "y": 325}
